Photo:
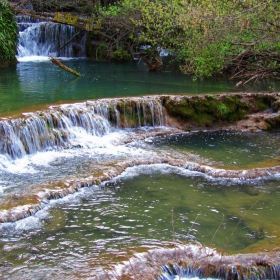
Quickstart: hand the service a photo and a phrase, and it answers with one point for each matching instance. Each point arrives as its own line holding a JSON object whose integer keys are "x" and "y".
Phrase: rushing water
{"x": 137, "y": 203}
{"x": 37, "y": 39}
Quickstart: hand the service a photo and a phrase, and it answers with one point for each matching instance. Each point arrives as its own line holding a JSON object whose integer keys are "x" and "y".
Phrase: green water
{"x": 225, "y": 148}
{"x": 149, "y": 207}
{"x": 38, "y": 83}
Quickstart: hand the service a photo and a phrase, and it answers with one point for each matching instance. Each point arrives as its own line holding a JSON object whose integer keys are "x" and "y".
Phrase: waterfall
{"x": 227, "y": 272}
{"x": 194, "y": 262}
{"x": 61, "y": 127}
{"x": 38, "y": 38}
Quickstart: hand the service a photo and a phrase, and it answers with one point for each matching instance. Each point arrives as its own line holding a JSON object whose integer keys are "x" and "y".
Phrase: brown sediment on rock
{"x": 232, "y": 111}
{"x": 198, "y": 261}
{"x": 24, "y": 205}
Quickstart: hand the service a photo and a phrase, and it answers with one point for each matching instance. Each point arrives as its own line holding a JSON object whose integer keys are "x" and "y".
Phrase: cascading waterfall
{"x": 58, "y": 127}
{"x": 38, "y": 38}
{"x": 171, "y": 272}
{"x": 198, "y": 262}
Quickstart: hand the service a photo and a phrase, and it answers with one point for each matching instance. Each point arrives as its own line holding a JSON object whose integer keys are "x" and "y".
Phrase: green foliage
{"x": 219, "y": 32}
{"x": 222, "y": 110}
{"x": 207, "y": 37}
{"x": 145, "y": 21}
{"x": 8, "y": 35}
{"x": 121, "y": 55}
{"x": 111, "y": 11}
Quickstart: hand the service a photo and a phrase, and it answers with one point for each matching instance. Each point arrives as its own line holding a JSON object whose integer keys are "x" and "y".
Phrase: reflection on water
{"x": 228, "y": 149}
{"x": 37, "y": 83}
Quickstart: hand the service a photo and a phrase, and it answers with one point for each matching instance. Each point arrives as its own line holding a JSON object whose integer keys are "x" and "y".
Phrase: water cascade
{"x": 72, "y": 127}
{"x": 38, "y": 38}
{"x": 57, "y": 127}
{"x": 198, "y": 262}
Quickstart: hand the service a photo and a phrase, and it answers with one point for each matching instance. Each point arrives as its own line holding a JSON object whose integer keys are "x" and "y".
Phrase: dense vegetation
{"x": 8, "y": 35}
{"x": 205, "y": 37}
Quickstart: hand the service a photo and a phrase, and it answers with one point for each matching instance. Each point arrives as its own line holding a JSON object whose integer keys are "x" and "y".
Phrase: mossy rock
{"x": 276, "y": 105}
{"x": 206, "y": 110}
{"x": 200, "y": 105}
{"x": 231, "y": 103}
{"x": 180, "y": 109}
{"x": 204, "y": 119}
{"x": 263, "y": 102}
{"x": 273, "y": 122}
{"x": 244, "y": 105}
{"x": 236, "y": 115}
{"x": 261, "y": 105}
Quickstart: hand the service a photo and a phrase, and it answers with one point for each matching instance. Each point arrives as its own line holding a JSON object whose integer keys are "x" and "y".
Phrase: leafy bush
{"x": 207, "y": 37}
{"x": 121, "y": 55}
{"x": 238, "y": 36}
{"x": 8, "y": 35}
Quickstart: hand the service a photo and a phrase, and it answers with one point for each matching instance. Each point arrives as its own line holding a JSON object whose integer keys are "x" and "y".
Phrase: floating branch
{"x": 58, "y": 63}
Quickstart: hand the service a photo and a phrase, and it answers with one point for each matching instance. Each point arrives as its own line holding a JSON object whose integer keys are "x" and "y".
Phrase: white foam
{"x": 34, "y": 58}
{"x": 87, "y": 145}
{"x": 27, "y": 224}
{"x": 156, "y": 168}
{"x": 17, "y": 166}
{"x": 40, "y": 58}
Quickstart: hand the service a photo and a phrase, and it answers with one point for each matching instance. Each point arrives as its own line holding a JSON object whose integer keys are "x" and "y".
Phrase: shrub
{"x": 8, "y": 35}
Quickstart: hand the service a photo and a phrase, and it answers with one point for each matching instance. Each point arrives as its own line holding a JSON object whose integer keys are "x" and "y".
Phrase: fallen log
{"x": 59, "y": 64}
{"x": 155, "y": 66}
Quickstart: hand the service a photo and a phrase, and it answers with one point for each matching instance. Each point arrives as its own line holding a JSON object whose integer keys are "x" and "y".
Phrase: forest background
{"x": 205, "y": 38}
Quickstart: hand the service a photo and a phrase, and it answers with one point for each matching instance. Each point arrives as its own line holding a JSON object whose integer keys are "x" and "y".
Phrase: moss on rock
{"x": 209, "y": 110}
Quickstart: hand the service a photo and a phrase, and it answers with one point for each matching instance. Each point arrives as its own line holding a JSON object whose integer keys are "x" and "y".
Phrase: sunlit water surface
{"x": 225, "y": 149}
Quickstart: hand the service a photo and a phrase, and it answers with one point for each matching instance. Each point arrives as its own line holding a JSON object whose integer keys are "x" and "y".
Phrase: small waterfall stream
{"x": 38, "y": 38}
{"x": 58, "y": 127}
